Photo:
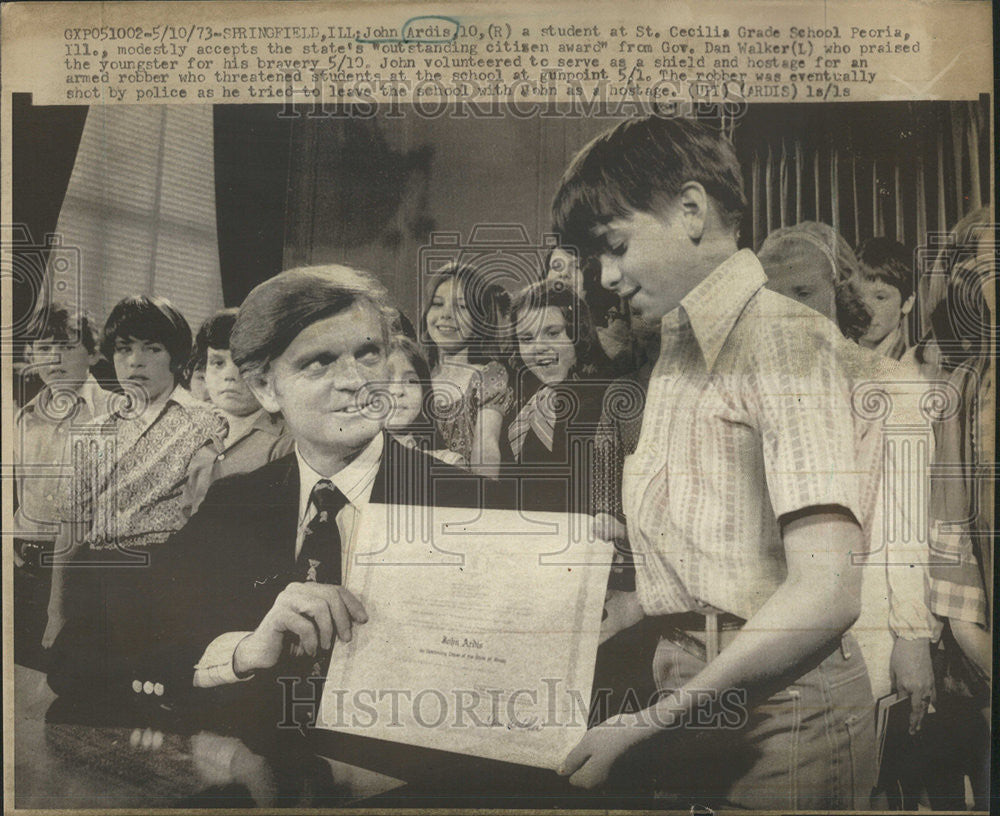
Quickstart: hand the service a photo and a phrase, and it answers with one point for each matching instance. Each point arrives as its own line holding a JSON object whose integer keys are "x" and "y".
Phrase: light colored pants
{"x": 811, "y": 746}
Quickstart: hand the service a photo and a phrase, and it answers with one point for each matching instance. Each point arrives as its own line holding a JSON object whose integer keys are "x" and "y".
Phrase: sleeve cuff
{"x": 216, "y": 665}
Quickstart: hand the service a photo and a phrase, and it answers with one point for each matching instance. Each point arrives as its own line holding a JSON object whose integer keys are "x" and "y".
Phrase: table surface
{"x": 63, "y": 765}
{"x": 63, "y": 761}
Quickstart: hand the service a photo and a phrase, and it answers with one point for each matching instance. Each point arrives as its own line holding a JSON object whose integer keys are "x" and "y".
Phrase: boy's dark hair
{"x": 149, "y": 318}
{"x": 488, "y": 304}
{"x": 59, "y": 323}
{"x": 214, "y": 333}
{"x": 279, "y": 309}
{"x": 639, "y": 165}
{"x": 591, "y": 361}
{"x": 889, "y": 261}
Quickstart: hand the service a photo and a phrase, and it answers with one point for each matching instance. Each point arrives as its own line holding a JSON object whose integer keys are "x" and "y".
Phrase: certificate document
{"x": 482, "y": 632}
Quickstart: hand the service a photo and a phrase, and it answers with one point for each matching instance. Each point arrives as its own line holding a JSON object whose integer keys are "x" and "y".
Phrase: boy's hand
{"x": 590, "y": 762}
{"x": 913, "y": 675}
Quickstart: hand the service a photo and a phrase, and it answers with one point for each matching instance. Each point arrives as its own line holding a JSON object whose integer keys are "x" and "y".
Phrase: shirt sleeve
{"x": 802, "y": 394}
{"x": 215, "y": 668}
{"x": 91, "y": 459}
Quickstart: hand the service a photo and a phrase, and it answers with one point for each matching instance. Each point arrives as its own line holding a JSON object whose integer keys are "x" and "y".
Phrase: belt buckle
{"x": 689, "y": 643}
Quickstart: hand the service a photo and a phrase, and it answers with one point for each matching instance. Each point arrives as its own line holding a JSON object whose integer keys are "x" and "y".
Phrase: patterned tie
{"x": 319, "y": 558}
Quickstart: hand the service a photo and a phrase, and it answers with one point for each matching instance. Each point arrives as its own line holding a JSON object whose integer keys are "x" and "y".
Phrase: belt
{"x": 678, "y": 629}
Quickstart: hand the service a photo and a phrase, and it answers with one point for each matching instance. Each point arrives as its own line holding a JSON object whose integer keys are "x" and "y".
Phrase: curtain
{"x": 140, "y": 211}
{"x": 251, "y": 151}
{"x": 44, "y": 144}
{"x": 906, "y": 170}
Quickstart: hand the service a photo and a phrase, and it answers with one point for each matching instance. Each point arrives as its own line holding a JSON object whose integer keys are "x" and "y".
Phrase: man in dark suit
{"x": 250, "y": 589}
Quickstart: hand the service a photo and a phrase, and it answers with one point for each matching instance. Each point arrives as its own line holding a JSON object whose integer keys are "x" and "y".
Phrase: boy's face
{"x": 226, "y": 388}
{"x": 145, "y": 364}
{"x": 645, "y": 261}
{"x": 323, "y": 383}
{"x": 885, "y": 303}
{"x": 197, "y": 385}
{"x": 62, "y": 361}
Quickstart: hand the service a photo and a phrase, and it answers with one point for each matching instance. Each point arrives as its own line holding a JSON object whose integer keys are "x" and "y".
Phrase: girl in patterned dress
{"x": 461, "y": 327}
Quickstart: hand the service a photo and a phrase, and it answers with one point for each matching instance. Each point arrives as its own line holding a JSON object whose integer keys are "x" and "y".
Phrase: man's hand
{"x": 590, "y": 762}
{"x": 313, "y": 613}
{"x": 912, "y": 674}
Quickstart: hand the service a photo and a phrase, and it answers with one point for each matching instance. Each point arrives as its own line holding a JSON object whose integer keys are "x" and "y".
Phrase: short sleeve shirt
{"x": 747, "y": 419}
{"x": 129, "y": 480}
{"x": 43, "y": 432}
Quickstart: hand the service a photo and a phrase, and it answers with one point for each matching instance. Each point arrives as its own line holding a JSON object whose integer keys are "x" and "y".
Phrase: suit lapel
{"x": 280, "y": 506}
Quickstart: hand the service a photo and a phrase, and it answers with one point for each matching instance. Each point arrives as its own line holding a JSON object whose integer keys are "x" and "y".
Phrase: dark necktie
{"x": 319, "y": 558}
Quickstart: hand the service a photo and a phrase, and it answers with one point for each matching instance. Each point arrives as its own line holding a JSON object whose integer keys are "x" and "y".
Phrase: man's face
{"x": 646, "y": 261}
{"x": 62, "y": 361}
{"x": 802, "y": 272}
{"x": 322, "y": 383}
{"x": 226, "y": 388}
{"x": 885, "y": 303}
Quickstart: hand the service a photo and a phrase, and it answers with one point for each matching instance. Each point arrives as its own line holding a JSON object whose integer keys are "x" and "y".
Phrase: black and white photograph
{"x": 635, "y": 455}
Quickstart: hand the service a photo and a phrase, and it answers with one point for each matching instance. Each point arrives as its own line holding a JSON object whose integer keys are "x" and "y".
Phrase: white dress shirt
{"x": 355, "y": 481}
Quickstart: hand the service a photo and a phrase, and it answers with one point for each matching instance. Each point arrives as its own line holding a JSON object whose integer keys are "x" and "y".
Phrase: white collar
{"x": 355, "y": 480}
{"x": 89, "y": 391}
{"x": 715, "y": 305}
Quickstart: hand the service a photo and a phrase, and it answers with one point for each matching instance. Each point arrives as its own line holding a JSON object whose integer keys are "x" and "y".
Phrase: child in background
{"x": 129, "y": 480}
{"x": 563, "y": 371}
{"x": 462, "y": 327}
{"x": 409, "y": 396}
{"x": 62, "y": 354}
{"x": 812, "y": 263}
{"x": 255, "y": 437}
{"x": 963, "y": 521}
{"x": 194, "y": 375}
{"x": 885, "y": 283}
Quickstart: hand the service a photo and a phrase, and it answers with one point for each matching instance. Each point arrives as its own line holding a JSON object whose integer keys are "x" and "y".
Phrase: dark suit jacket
{"x": 137, "y": 634}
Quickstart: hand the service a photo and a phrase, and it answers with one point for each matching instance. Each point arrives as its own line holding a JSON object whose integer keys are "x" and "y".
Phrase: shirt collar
{"x": 89, "y": 392}
{"x": 355, "y": 480}
{"x": 714, "y": 305}
{"x": 185, "y": 398}
{"x": 270, "y": 423}
{"x": 892, "y": 344}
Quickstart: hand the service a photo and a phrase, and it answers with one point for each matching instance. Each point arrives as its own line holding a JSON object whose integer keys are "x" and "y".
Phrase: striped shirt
{"x": 748, "y": 418}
